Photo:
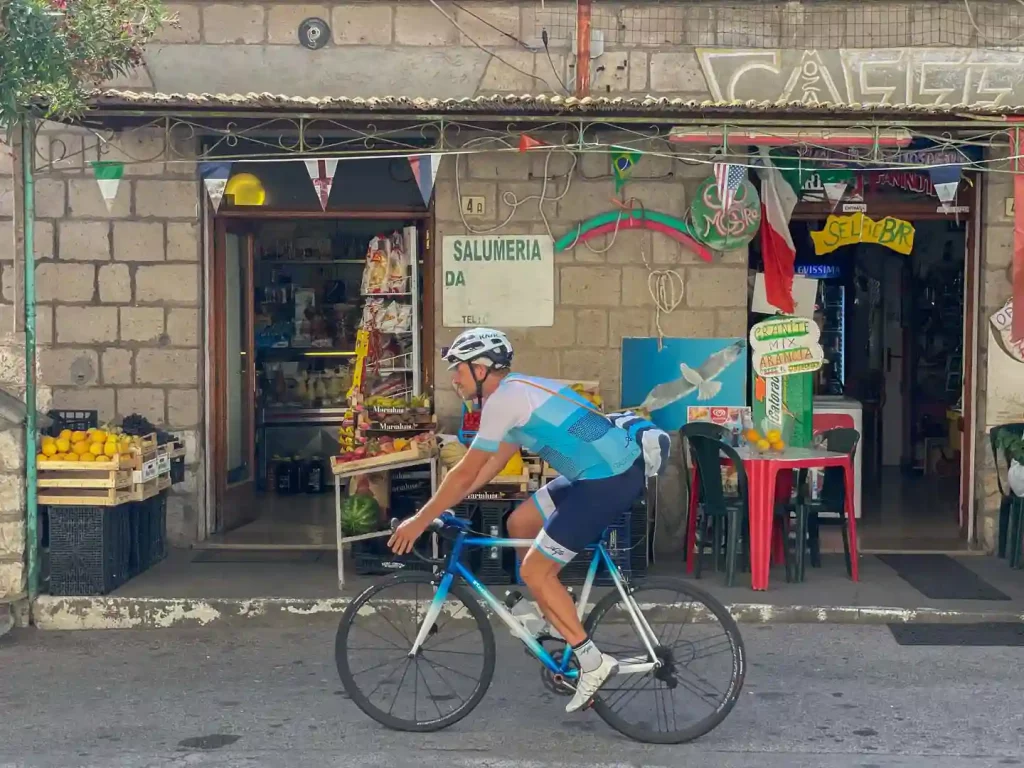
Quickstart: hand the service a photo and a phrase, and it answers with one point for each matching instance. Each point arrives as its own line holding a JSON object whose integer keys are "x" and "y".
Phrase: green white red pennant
{"x": 108, "y": 177}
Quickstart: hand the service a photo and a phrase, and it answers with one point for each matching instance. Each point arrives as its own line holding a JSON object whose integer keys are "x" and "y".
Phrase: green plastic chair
{"x": 1011, "y": 507}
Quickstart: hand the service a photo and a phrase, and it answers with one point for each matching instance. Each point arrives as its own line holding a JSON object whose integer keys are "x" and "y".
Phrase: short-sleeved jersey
{"x": 562, "y": 429}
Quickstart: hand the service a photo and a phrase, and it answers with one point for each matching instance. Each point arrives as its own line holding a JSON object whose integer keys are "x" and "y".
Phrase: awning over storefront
{"x": 119, "y": 103}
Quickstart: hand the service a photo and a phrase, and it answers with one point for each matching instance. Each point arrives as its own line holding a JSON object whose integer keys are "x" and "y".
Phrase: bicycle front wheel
{"x": 446, "y": 679}
{"x": 680, "y": 701}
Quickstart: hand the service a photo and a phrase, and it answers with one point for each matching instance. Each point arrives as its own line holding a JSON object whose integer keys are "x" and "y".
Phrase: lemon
{"x": 42, "y": 458}
{"x": 72, "y": 457}
{"x": 65, "y": 434}
{"x": 99, "y": 436}
{"x": 96, "y": 449}
{"x": 102, "y": 458}
{"x": 79, "y": 447}
{"x": 49, "y": 448}
{"x": 77, "y": 437}
{"x": 773, "y": 436}
{"x": 63, "y": 444}
{"x": 778, "y": 445}
{"x": 110, "y": 449}
{"x": 87, "y": 457}
{"x": 763, "y": 445}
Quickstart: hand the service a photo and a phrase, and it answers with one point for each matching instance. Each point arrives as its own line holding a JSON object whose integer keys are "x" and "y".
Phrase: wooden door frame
{"x": 214, "y": 313}
{"x": 217, "y": 351}
{"x": 921, "y": 210}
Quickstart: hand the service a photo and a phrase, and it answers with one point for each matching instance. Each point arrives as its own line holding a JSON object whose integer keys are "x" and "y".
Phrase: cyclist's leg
{"x": 525, "y": 522}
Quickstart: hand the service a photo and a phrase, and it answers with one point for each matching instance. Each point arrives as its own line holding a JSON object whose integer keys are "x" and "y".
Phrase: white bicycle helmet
{"x": 483, "y": 346}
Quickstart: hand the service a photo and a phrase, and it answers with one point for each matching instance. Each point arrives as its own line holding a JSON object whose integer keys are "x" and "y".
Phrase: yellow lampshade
{"x": 246, "y": 189}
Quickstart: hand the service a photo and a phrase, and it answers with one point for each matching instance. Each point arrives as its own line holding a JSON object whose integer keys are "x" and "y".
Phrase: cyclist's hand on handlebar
{"x": 406, "y": 534}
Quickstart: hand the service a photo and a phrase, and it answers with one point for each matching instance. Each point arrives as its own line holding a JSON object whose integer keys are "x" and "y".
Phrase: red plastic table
{"x": 762, "y": 470}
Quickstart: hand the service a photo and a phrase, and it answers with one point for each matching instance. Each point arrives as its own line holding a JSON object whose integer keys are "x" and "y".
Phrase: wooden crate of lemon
{"x": 96, "y": 467}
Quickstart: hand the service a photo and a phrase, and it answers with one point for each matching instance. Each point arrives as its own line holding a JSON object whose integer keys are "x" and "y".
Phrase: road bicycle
{"x": 425, "y": 661}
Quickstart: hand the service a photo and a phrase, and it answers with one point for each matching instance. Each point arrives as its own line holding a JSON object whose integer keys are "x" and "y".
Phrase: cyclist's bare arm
{"x": 474, "y": 470}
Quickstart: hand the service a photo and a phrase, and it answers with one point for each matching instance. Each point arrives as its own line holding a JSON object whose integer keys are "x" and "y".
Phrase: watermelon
{"x": 359, "y": 514}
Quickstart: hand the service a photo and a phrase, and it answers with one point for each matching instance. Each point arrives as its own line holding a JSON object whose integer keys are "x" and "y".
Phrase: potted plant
{"x": 1012, "y": 447}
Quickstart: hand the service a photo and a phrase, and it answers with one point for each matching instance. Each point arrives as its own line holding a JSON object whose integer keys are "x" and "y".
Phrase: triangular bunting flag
{"x": 424, "y": 170}
{"x": 108, "y": 177}
{"x": 945, "y": 179}
{"x": 946, "y": 191}
{"x": 527, "y": 142}
{"x": 215, "y": 179}
{"x": 321, "y": 173}
{"x": 834, "y": 190}
{"x": 623, "y": 162}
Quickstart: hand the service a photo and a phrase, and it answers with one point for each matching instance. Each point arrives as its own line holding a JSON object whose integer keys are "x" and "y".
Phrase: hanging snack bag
{"x": 373, "y": 314}
{"x": 398, "y": 265}
{"x": 375, "y": 273}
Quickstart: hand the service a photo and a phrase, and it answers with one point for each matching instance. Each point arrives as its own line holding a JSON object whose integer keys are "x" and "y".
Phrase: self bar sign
{"x": 498, "y": 280}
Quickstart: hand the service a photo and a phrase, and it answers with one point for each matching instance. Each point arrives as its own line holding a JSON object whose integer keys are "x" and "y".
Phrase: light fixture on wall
{"x": 314, "y": 33}
{"x": 245, "y": 189}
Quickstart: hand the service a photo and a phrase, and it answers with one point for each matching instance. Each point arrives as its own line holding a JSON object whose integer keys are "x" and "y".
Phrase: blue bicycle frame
{"x": 454, "y": 567}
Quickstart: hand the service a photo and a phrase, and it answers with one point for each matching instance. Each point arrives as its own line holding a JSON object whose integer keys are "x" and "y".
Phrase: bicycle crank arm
{"x": 632, "y": 667}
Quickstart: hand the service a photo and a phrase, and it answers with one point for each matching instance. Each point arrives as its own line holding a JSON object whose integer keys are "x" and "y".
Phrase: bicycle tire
{"x": 362, "y": 701}
{"x": 738, "y": 662}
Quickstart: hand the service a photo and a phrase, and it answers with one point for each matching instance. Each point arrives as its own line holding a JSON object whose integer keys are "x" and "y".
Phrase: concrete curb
{"x": 76, "y": 613}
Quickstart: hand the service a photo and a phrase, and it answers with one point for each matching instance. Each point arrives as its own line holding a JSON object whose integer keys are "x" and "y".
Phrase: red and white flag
{"x": 321, "y": 173}
{"x": 778, "y": 199}
{"x": 728, "y": 178}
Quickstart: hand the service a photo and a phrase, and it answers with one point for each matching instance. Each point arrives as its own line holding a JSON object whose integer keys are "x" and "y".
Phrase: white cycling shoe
{"x": 590, "y": 683}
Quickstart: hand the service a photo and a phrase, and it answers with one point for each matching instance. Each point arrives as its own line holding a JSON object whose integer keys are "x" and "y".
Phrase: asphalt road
{"x": 822, "y": 696}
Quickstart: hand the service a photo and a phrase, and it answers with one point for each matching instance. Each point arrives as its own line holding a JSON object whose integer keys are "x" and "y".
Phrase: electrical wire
{"x": 489, "y": 52}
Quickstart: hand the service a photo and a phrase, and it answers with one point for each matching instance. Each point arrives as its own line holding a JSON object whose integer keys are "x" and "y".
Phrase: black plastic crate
{"x": 157, "y": 528}
{"x": 89, "y": 549}
{"x": 371, "y": 557}
{"x": 76, "y": 421}
{"x": 138, "y": 523}
{"x": 494, "y": 565}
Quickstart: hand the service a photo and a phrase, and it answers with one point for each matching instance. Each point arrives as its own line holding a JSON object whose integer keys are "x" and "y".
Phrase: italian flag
{"x": 778, "y": 199}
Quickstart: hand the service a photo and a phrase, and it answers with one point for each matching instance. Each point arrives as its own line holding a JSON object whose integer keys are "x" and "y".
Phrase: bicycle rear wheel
{"x": 447, "y": 678}
{"x": 690, "y": 626}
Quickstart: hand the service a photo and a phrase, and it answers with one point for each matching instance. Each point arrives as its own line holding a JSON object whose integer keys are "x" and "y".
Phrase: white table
{"x": 341, "y": 474}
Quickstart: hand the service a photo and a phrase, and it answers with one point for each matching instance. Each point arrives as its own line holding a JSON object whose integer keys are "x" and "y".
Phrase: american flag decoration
{"x": 728, "y": 178}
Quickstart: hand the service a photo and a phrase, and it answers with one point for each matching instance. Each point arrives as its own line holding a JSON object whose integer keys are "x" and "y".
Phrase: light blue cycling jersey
{"x": 565, "y": 431}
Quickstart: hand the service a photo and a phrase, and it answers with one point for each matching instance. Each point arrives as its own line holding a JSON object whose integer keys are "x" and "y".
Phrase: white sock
{"x": 590, "y": 658}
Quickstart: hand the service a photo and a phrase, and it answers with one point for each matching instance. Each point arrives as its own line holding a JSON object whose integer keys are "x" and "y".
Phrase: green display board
{"x": 785, "y": 403}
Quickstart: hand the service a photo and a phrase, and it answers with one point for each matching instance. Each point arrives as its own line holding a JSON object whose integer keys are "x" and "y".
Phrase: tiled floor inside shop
{"x": 284, "y": 521}
{"x": 911, "y": 512}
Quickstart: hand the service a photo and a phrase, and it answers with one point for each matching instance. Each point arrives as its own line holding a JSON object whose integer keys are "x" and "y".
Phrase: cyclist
{"x": 603, "y": 461}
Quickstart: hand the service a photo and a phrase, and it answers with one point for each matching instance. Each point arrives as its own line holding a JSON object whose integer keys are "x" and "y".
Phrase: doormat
{"x": 940, "y": 577}
{"x": 256, "y": 556}
{"x": 990, "y": 634}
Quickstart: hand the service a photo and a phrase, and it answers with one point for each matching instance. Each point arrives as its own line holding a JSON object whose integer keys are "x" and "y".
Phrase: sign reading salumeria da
{"x": 498, "y": 280}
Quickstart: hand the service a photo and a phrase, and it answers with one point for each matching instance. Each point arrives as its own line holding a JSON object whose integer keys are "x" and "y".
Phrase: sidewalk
{"x": 300, "y": 588}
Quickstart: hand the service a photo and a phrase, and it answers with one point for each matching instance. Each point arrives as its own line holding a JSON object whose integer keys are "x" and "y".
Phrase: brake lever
{"x": 435, "y": 525}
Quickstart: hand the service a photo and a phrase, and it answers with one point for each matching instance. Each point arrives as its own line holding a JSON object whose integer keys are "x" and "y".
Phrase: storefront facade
{"x": 123, "y": 293}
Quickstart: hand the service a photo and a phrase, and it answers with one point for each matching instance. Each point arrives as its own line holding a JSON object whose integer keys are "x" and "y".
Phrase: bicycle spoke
{"x": 384, "y": 616}
{"x": 377, "y": 666}
{"x": 430, "y": 693}
{"x": 385, "y": 640}
{"x": 441, "y": 678}
{"x": 386, "y": 679}
{"x": 453, "y": 639}
{"x": 453, "y": 671}
{"x": 404, "y": 673}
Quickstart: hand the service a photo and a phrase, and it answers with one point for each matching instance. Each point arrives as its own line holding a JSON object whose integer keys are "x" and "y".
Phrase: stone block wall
{"x": 12, "y": 379}
{"x": 119, "y": 291}
{"x": 601, "y": 287}
{"x": 996, "y": 286}
{"x": 411, "y": 48}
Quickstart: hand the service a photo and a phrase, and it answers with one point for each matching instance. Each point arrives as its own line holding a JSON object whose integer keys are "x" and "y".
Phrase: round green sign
{"x": 725, "y": 230}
